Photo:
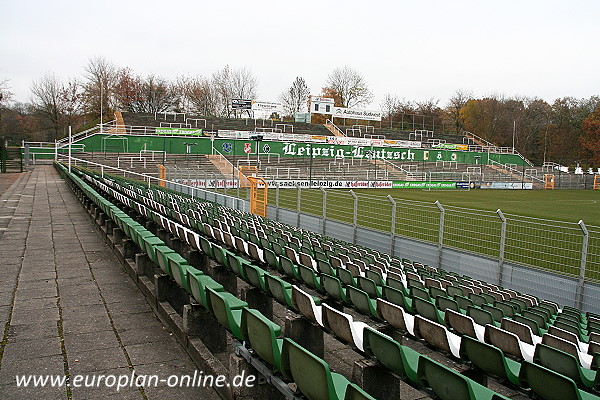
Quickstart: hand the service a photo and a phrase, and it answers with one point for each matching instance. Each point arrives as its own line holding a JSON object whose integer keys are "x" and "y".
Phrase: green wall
{"x": 176, "y": 145}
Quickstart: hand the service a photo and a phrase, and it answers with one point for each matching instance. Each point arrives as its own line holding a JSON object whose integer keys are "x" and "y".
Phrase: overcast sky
{"x": 417, "y": 49}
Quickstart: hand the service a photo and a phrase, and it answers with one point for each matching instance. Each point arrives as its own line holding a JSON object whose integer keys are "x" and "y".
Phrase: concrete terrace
{"x": 67, "y": 306}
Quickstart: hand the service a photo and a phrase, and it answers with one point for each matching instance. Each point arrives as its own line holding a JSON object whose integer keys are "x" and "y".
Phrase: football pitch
{"x": 561, "y": 205}
{"x": 553, "y": 241}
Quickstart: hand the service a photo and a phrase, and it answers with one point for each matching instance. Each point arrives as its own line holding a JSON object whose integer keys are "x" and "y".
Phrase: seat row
{"x": 330, "y": 311}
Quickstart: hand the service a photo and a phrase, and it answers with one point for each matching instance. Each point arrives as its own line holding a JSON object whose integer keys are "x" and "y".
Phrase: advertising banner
{"x": 451, "y": 146}
{"x": 178, "y": 131}
{"x": 352, "y": 141}
{"x": 402, "y": 143}
{"x": 288, "y": 184}
{"x": 506, "y": 185}
{"x": 266, "y": 106}
{"x": 423, "y": 185}
{"x": 352, "y": 113}
{"x": 241, "y": 104}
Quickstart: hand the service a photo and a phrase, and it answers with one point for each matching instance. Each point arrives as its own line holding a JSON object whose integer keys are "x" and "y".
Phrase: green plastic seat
{"x": 550, "y": 385}
{"x": 564, "y": 364}
{"x": 289, "y": 268}
{"x": 271, "y": 258}
{"x": 179, "y": 272}
{"x": 369, "y": 286}
{"x": 175, "y": 260}
{"x": 227, "y": 309}
{"x": 310, "y": 277}
{"x": 161, "y": 255}
{"x": 221, "y": 255}
{"x": 463, "y": 302}
{"x": 507, "y": 309}
{"x": 256, "y": 276}
{"x": 496, "y": 312}
{"x": 480, "y": 316}
{"x": 206, "y": 247}
{"x": 489, "y": 359}
{"x": 279, "y": 289}
{"x": 428, "y": 310}
{"x": 237, "y": 264}
{"x": 361, "y": 300}
{"x": 345, "y": 276}
{"x": 150, "y": 242}
{"x": 397, "y": 284}
{"x": 477, "y": 299}
{"x": 453, "y": 291}
{"x": 399, "y": 359}
{"x": 435, "y": 292}
{"x": 353, "y": 392}
{"x": 263, "y": 336}
{"x": 398, "y": 297}
{"x": 535, "y": 316}
{"x": 333, "y": 287}
{"x": 535, "y": 329}
{"x": 445, "y": 303}
{"x": 416, "y": 292}
{"x": 198, "y": 285}
{"x": 310, "y": 373}
{"x": 450, "y": 385}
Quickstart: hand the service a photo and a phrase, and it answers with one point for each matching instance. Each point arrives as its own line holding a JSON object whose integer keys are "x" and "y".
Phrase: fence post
{"x": 277, "y": 202}
{"x": 355, "y": 217}
{"x": 502, "y": 245}
{"x": 441, "y": 233}
{"x": 324, "y": 208}
{"x": 298, "y": 205}
{"x": 584, "y": 251}
{"x": 393, "y": 227}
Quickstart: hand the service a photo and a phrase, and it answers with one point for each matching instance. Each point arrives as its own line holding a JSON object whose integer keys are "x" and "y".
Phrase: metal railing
{"x": 506, "y": 249}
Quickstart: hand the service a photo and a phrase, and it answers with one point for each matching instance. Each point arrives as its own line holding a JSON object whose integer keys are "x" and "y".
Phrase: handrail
{"x": 147, "y": 178}
{"x": 496, "y": 149}
{"x": 516, "y": 171}
{"x": 330, "y": 123}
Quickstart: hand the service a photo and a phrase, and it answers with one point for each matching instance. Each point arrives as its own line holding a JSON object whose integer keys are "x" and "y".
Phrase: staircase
{"x": 223, "y": 165}
{"x": 11, "y": 159}
{"x": 333, "y": 128}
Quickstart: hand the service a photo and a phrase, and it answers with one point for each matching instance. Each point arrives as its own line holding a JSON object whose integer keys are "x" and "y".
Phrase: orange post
{"x": 597, "y": 182}
{"x": 162, "y": 175}
{"x": 258, "y": 196}
{"x": 548, "y": 181}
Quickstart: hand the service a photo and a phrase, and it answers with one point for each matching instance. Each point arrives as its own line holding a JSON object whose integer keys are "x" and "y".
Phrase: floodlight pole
{"x": 514, "y": 130}
{"x": 70, "y": 141}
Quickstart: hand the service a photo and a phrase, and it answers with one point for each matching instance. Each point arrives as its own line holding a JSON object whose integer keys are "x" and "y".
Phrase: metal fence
{"x": 500, "y": 248}
{"x": 559, "y": 261}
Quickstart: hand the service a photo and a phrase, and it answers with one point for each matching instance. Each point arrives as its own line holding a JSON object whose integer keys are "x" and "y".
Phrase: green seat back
{"x": 444, "y": 382}
{"x": 547, "y": 384}
{"x": 385, "y": 349}
{"x": 262, "y": 334}
{"x": 311, "y": 374}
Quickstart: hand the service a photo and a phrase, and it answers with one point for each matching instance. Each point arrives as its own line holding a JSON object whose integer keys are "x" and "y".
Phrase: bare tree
{"x": 350, "y": 86}
{"x": 199, "y": 95}
{"x": 99, "y": 87}
{"x": 389, "y": 104}
{"x": 159, "y": 95}
{"x": 296, "y": 97}
{"x": 5, "y": 94}
{"x": 229, "y": 84}
{"x": 55, "y": 103}
{"x": 455, "y": 104}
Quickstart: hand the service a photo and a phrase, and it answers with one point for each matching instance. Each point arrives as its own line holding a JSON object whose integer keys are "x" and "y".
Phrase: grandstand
{"x": 287, "y": 299}
{"x": 322, "y": 308}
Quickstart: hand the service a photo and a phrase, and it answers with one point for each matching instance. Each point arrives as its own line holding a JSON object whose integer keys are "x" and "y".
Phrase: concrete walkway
{"x": 67, "y": 307}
